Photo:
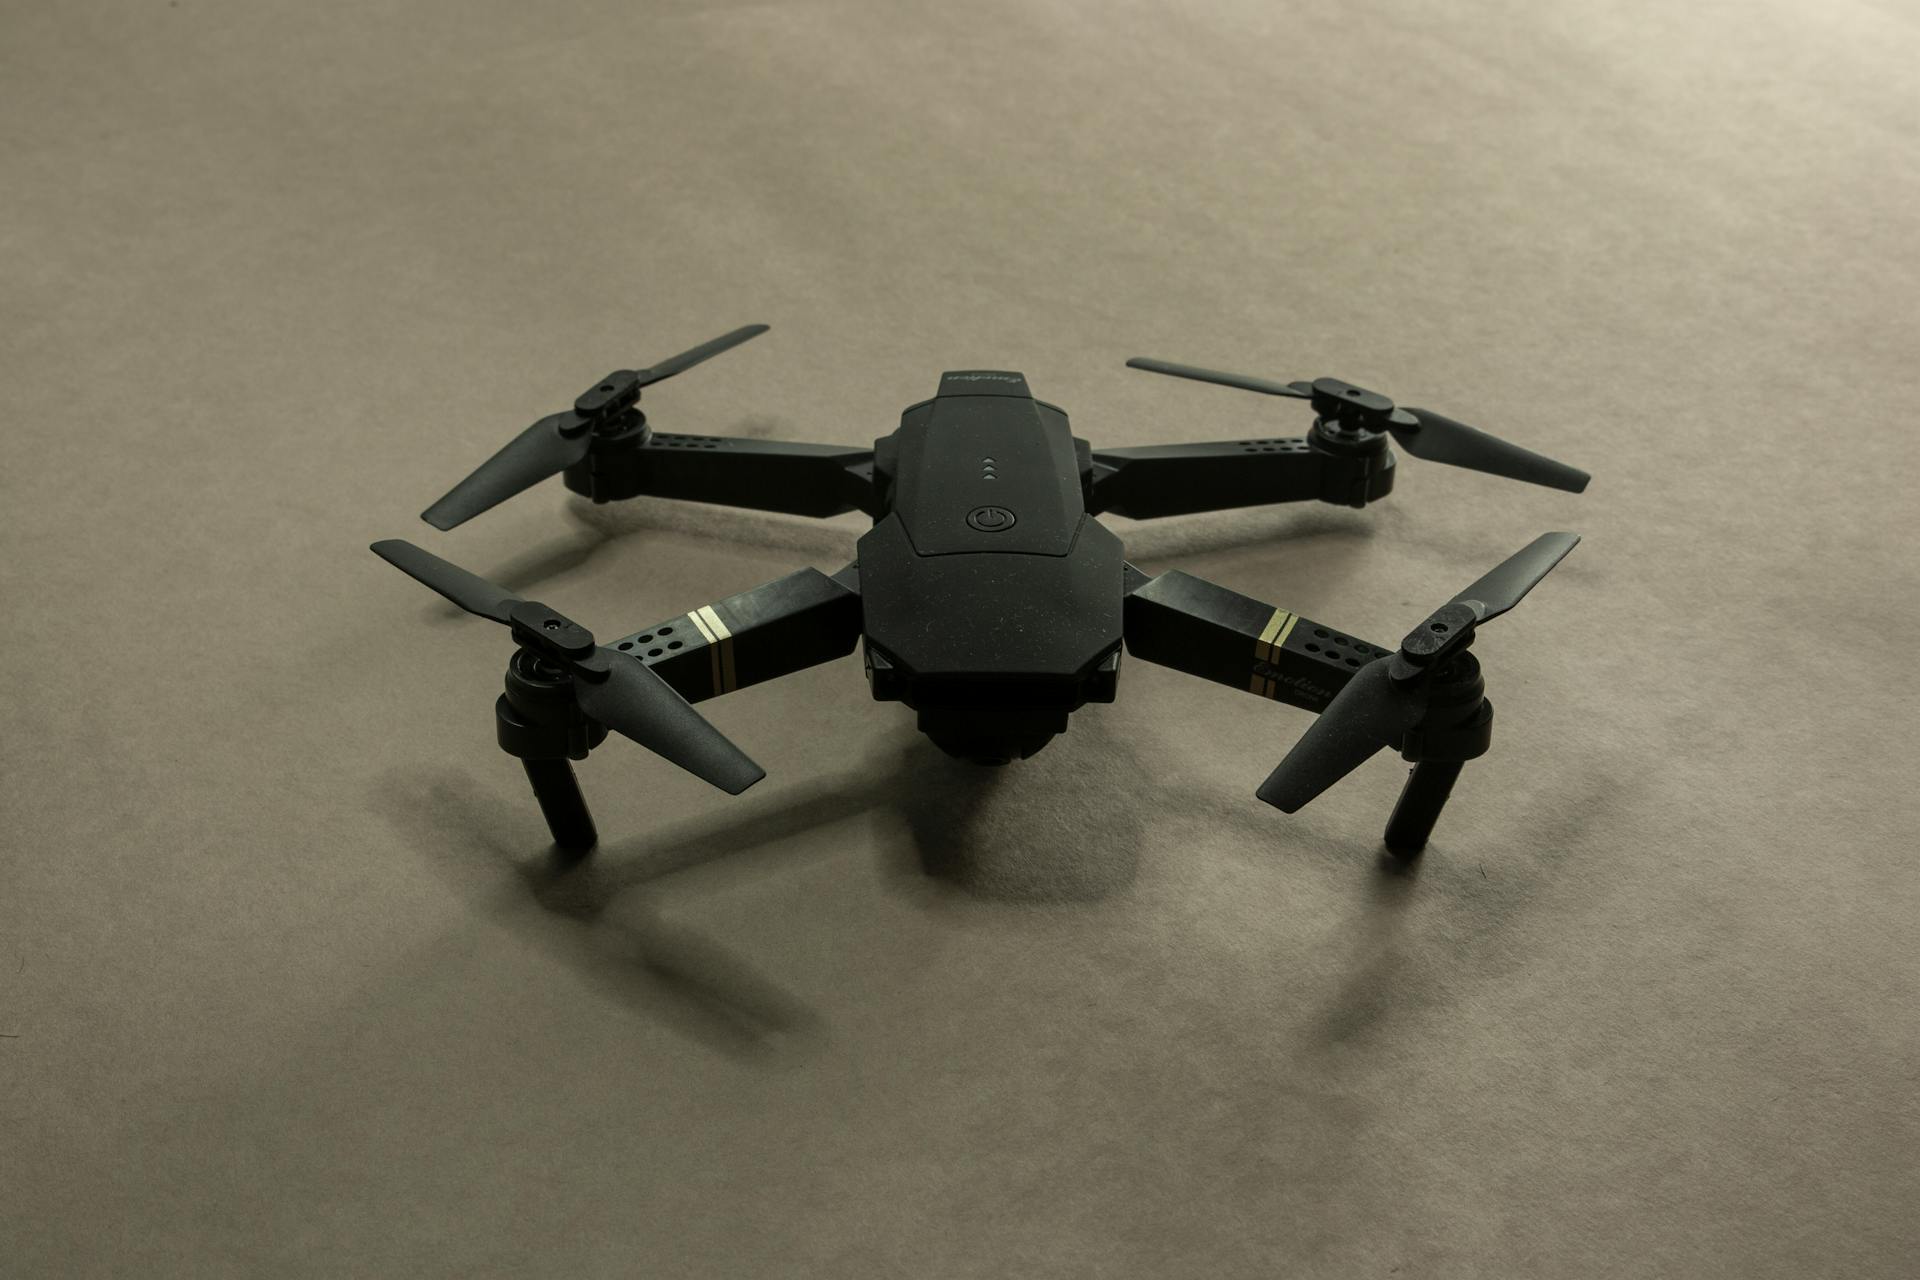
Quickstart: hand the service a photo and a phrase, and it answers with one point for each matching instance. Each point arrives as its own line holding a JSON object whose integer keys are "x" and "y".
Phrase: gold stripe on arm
{"x": 1281, "y": 639}
{"x": 713, "y": 648}
{"x": 1270, "y": 637}
{"x": 725, "y": 639}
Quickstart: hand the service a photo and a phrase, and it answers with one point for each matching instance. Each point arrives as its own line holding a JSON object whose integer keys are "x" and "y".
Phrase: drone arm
{"x": 765, "y": 475}
{"x": 791, "y": 623}
{"x": 1176, "y": 479}
{"x": 1187, "y": 623}
{"x": 798, "y": 621}
{"x": 1192, "y": 625}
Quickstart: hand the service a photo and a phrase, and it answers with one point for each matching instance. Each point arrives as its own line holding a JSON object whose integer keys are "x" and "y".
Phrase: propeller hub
{"x": 1445, "y": 631}
{"x": 617, "y": 391}
{"x": 1342, "y": 402}
{"x": 550, "y": 634}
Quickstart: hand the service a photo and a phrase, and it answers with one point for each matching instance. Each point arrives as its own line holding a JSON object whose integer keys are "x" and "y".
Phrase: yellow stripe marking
{"x": 1278, "y": 628}
{"x": 725, "y": 639}
{"x": 713, "y": 647}
{"x": 1285, "y": 631}
{"x": 1267, "y": 649}
{"x": 1263, "y": 646}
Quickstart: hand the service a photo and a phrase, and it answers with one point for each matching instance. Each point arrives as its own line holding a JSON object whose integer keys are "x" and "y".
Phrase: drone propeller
{"x": 614, "y": 688}
{"x": 1389, "y": 696}
{"x": 555, "y": 443}
{"x": 1421, "y": 432}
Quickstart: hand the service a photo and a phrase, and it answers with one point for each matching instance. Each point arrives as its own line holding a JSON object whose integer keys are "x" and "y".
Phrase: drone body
{"x": 991, "y": 601}
{"x": 987, "y": 596}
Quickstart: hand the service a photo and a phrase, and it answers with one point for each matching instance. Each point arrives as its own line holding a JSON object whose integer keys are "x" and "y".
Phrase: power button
{"x": 990, "y": 519}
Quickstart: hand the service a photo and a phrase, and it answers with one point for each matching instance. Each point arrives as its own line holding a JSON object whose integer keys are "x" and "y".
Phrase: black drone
{"x": 989, "y": 599}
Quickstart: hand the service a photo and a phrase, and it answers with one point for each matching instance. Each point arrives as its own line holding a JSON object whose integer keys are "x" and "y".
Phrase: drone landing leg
{"x": 561, "y": 803}
{"x": 538, "y": 722}
{"x": 1457, "y": 727}
{"x": 1419, "y": 806}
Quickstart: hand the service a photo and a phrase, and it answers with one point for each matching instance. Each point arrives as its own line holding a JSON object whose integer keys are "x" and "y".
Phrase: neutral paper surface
{"x": 286, "y": 982}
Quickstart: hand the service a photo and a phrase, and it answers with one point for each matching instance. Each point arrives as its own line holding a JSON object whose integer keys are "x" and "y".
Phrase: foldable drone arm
{"x": 1176, "y": 479}
{"x": 801, "y": 620}
{"x": 1191, "y": 625}
{"x": 765, "y": 475}
{"x": 791, "y": 623}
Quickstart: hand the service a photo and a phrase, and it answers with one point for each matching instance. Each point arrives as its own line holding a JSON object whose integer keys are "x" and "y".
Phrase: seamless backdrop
{"x": 287, "y": 983}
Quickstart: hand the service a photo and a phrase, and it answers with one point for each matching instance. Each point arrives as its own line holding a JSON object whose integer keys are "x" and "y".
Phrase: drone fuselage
{"x": 992, "y": 600}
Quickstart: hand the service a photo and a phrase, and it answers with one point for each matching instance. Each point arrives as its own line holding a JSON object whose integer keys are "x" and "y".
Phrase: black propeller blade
{"x": 1421, "y": 432}
{"x": 1438, "y": 439}
{"x": 1507, "y": 584}
{"x": 1298, "y": 390}
{"x": 638, "y": 704}
{"x": 1388, "y": 696}
{"x": 614, "y": 688}
{"x": 1369, "y": 713}
{"x": 555, "y": 443}
{"x": 544, "y": 449}
{"x": 468, "y": 590}
{"x": 695, "y": 355}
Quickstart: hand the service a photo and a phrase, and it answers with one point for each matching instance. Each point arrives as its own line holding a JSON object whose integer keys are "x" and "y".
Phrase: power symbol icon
{"x": 990, "y": 519}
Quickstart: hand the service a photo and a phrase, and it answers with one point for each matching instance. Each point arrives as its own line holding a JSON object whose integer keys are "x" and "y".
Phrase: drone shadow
{"x": 1042, "y": 832}
{"x": 1380, "y": 978}
{"x": 994, "y": 834}
{"x": 618, "y": 941}
{"x": 1035, "y": 832}
{"x": 1470, "y": 912}
{"x": 829, "y": 539}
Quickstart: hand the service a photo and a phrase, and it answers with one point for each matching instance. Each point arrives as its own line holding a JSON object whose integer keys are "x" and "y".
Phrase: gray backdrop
{"x": 287, "y": 986}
